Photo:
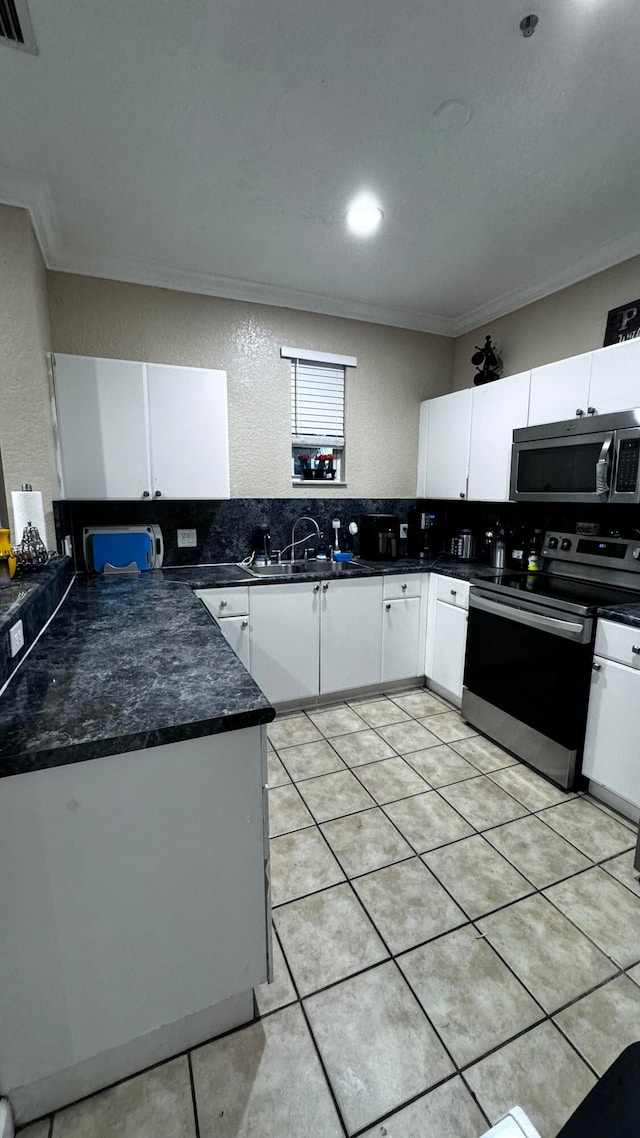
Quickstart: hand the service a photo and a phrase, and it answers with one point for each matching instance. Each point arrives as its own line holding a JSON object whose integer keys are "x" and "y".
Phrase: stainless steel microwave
{"x": 580, "y": 460}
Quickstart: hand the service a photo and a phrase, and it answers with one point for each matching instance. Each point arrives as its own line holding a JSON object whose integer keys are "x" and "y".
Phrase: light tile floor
{"x": 453, "y": 935}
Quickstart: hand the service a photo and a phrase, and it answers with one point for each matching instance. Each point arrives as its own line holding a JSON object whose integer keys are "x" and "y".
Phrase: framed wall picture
{"x": 623, "y": 323}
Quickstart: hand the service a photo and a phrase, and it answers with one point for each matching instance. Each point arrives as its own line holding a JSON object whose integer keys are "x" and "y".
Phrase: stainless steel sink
{"x": 289, "y": 568}
{"x": 293, "y": 568}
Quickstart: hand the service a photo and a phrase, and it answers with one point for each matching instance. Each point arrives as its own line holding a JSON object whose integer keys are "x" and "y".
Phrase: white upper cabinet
{"x": 136, "y": 430}
{"x": 560, "y": 390}
{"x": 497, "y": 408}
{"x": 189, "y": 432}
{"x": 102, "y": 427}
{"x": 615, "y": 378}
{"x": 446, "y": 463}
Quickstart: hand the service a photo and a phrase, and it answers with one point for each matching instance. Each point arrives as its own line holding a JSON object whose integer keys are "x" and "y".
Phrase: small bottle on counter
{"x": 534, "y": 561}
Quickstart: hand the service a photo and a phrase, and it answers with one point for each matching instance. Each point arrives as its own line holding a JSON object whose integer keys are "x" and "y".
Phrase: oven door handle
{"x": 569, "y": 629}
{"x": 602, "y": 467}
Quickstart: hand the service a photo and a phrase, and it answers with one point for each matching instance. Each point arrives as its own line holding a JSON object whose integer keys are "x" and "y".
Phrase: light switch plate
{"x": 16, "y": 638}
{"x": 187, "y": 537}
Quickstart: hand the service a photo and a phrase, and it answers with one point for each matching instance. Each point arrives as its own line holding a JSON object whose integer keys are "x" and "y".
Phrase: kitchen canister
{"x": 28, "y": 509}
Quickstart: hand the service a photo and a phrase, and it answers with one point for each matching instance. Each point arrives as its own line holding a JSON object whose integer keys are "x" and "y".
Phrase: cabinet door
{"x": 235, "y": 630}
{"x": 400, "y": 639}
{"x": 350, "y": 634}
{"x": 189, "y": 432}
{"x": 613, "y": 730}
{"x": 449, "y": 645}
{"x": 559, "y": 390}
{"x": 285, "y": 630}
{"x": 447, "y": 458}
{"x": 615, "y": 378}
{"x": 496, "y": 410}
{"x": 102, "y": 427}
{"x": 421, "y": 491}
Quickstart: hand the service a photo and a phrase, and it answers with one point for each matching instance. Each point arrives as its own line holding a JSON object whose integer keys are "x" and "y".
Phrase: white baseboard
{"x": 6, "y": 1120}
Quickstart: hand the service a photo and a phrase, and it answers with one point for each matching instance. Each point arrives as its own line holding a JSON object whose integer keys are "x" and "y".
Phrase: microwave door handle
{"x": 602, "y": 467}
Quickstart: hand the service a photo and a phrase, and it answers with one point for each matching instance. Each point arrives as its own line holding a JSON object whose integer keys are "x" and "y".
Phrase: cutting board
{"x": 121, "y": 549}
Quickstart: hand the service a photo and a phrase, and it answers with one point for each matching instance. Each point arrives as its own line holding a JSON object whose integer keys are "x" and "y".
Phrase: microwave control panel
{"x": 628, "y": 466}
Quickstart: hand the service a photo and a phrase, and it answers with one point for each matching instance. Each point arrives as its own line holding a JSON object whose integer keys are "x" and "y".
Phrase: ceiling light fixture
{"x": 364, "y": 215}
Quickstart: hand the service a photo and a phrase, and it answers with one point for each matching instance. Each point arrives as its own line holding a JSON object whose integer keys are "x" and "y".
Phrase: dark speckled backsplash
{"x": 223, "y": 528}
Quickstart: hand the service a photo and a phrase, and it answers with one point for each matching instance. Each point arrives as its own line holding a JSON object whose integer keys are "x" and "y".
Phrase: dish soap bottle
{"x": 533, "y": 559}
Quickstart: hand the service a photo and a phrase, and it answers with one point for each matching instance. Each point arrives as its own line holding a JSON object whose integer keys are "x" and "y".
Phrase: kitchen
{"x": 87, "y": 310}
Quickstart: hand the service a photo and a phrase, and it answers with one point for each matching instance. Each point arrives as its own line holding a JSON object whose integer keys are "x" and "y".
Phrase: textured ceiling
{"x": 215, "y": 144}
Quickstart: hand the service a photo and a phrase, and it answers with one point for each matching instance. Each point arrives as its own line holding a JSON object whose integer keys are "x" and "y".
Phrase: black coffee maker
{"x": 379, "y": 537}
{"x": 261, "y": 545}
{"x": 424, "y": 534}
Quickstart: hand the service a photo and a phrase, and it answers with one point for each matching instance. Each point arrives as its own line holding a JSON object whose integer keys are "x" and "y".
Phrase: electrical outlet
{"x": 16, "y": 638}
{"x": 404, "y": 528}
{"x": 187, "y": 537}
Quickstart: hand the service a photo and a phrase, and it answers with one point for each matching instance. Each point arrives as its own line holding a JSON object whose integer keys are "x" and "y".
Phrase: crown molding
{"x": 134, "y": 271}
{"x": 32, "y": 192}
{"x": 598, "y": 260}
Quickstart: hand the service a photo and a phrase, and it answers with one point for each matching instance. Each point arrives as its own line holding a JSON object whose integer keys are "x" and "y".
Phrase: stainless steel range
{"x": 530, "y": 648}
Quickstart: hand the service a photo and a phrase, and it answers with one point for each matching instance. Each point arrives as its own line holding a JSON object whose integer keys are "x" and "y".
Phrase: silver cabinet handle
{"x": 596, "y": 666}
{"x": 635, "y": 648}
{"x": 145, "y": 494}
{"x": 591, "y": 410}
{"x": 462, "y": 494}
{"x": 387, "y": 606}
{"x": 223, "y": 604}
{"x": 404, "y": 588}
{"x": 158, "y": 494}
{"x": 325, "y": 587}
{"x": 316, "y": 588}
{"x": 244, "y": 624}
{"x": 454, "y": 592}
{"x": 579, "y": 412}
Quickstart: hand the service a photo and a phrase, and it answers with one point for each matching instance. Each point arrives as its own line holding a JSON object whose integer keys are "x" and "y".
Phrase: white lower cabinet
{"x": 285, "y": 640}
{"x": 400, "y": 639}
{"x": 446, "y": 635}
{"x": 611, "y": 751}
{"x": 351, "y": 634}
{"x": 449, "y": 644}
{"x": 235, "y": 630}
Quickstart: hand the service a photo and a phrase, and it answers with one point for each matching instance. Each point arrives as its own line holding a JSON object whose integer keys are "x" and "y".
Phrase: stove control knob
{"x": 565, "y": 544}
{"x": 553, "y": 543}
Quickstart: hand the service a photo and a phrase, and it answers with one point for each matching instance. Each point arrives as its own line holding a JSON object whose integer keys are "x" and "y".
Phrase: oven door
{"x": 526, "y": 681}
{"x": 576, "y": 469}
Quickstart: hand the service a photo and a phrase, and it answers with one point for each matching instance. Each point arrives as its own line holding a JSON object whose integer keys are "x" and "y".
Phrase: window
{"x": 317, "y": 414}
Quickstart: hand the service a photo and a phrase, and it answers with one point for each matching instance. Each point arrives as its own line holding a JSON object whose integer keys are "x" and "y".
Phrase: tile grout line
{"x": 194, "y": 1099}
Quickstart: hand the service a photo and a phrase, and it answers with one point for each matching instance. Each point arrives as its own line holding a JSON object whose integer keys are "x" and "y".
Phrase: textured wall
{"x": 26, "y": 431}
{"x": 396, "y": 369}
{"x": 564, "y": 324}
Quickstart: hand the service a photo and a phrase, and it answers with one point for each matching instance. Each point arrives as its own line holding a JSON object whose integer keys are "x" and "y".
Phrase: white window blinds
{"x": 317, "y": 404}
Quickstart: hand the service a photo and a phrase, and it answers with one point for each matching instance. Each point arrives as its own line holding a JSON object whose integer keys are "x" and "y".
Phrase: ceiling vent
{"x": 15, "y": 26}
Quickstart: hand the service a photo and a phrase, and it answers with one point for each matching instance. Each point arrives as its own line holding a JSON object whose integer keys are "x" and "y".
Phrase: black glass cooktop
{"x": 568, "y": 591}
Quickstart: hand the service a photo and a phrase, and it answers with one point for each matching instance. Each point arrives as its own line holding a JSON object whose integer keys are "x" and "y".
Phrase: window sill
{"x": 316, "y": 482}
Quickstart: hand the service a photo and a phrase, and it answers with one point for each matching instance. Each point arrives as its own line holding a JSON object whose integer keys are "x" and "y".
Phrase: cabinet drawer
{"x": 617, "y": 642}
{"x": 409, "y": 585}
{"x": 226, "y": 602}
{"x": 454, "y": 592}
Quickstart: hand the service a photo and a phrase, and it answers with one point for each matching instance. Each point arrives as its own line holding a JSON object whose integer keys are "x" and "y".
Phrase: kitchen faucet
{"x": 294, "y": 543}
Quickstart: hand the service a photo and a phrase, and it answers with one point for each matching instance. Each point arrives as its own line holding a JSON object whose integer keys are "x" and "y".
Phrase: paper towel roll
{"x": 27, "y": 508}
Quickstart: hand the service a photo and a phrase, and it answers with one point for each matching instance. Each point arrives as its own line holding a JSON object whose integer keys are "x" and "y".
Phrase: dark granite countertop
{"x": 623, "y": 614}
{"x": 215, "y": 576}
{"x": 125, "y": 664}
{"x": 137, "y": 662}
